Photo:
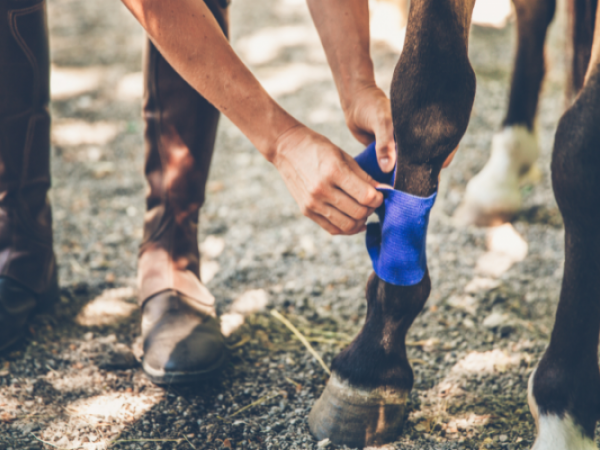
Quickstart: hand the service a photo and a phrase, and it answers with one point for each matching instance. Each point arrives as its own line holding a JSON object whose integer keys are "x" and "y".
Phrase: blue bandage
{"x": 396, "y": 244}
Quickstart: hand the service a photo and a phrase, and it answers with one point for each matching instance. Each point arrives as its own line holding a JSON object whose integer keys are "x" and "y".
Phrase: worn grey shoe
{"x": 181, "y": 344}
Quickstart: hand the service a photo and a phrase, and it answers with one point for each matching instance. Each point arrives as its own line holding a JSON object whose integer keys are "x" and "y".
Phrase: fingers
{"x": 338, "y": 202}
{"x": 334, "y": 222}
{"x": 323, "y": 223}
{"x": 343, "y": 214}
{"x": 348, "y": 206}
{"x": 371, "y": 118}
{"x": 359, "y": 185}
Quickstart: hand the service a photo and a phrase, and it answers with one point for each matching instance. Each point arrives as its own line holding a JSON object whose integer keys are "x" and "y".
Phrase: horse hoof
{"x": 355, "y": 417}
{"x": 493, "y": 196}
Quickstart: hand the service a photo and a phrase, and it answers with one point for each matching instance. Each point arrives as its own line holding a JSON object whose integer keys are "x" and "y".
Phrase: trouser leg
{"x": 181, "y": 336}
{"x": 27, "y": 264}
{"x": 179, "y": 138}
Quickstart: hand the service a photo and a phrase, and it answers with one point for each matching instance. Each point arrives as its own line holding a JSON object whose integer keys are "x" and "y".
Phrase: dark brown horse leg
{"x": 582, "y": 17}
{"x": 432, "y": 95}
{"x": 493, "y": 196}
{"x": 564, "y": 391}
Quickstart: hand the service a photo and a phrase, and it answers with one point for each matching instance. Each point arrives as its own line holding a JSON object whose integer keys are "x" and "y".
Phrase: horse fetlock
{"x": 358, "y": 417}
{"x": 377, "y": 356}
{"x": 558, "y": 427}
{"x": 493, "y": 196}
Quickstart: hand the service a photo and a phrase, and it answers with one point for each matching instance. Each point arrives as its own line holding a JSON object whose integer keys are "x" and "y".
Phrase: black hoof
{"x": 355, "y": 417}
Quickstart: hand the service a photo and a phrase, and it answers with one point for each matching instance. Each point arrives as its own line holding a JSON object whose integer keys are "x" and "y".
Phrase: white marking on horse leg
{"x": 493, "y": 196}
{"x": 555, "y": 432}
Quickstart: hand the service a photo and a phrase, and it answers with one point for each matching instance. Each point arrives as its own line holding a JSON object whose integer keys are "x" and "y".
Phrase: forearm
{"x": 343, "y": 26}
{"x": 190, "y": 39}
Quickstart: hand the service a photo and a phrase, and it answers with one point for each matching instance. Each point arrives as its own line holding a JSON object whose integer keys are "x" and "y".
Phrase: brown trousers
{"x": 179, "y": 140}
{"x": 25, "y": 218}
{"x": 180, "y": 135}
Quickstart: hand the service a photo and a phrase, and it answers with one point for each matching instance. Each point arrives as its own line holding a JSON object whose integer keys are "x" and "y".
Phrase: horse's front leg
{"x": 432, "y": 96}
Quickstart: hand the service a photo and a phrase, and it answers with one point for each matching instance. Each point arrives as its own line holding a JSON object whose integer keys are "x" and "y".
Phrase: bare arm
{"x": 327, "y": 184}
{"x": 343, "y": 26}
{"x": 189, "y": 37}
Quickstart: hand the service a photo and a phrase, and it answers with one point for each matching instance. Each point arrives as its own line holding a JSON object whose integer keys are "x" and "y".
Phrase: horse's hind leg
{"x": 432, "y": 95}
{"x": 493, "y": 196}
{"x": 582, "y": 20}
{"x": 564, "y": 391}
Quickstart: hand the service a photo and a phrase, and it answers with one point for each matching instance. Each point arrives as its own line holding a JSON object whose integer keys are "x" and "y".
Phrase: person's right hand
{"x": 328, "y": 185}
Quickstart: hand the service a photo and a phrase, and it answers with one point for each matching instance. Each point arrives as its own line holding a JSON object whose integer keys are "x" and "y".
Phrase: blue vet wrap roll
{"x": 396, "y": 244}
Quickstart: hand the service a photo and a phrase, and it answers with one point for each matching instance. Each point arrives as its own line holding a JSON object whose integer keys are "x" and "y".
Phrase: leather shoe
{"x": 18, "y": 305}
{"x": 181, "y": 344}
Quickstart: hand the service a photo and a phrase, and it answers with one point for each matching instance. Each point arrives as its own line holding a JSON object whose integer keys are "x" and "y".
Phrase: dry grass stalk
{"x": 52, "y": 445}
{"x": 254, "y": 403}
{"x": 301, "y": 338}
{"x": 295, "y": 383}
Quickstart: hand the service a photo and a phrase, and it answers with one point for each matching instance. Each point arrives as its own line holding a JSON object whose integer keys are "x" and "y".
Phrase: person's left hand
{"x": 369, "y": 118}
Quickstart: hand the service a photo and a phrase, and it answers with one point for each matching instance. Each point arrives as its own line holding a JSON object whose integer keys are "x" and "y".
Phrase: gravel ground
{"x": 76, "y": 381}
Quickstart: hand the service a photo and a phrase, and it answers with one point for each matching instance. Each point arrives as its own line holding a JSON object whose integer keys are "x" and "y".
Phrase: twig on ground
{"x": 295, "y": 383}
{"x": 239, "y": 343}
{"x": 54, "y": 446}
{"x": 325, "y": 333}
{"x": 301, "y": 337}
{"x": 254, "y": 403}
{"x": 327, "y": 341}
{"x": 122, "y": 441}
{"x": 417, "y": 361}
{"x": 188, "y": 441}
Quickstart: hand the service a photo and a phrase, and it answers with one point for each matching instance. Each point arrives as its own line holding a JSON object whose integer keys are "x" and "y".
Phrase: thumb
{"x": 386, "y": 154}
{"x": 385, "y": 146}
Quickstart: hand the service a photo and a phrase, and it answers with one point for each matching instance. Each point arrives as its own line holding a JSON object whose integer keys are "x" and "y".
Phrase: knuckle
{"x": 348, "y": 226}
{"x": 317, "y": 189}
{"x": 311, "y": 205}
{"x": 361, "y": 213}
{"x": 331, "y": 171}
{"x": 368, "y": 197}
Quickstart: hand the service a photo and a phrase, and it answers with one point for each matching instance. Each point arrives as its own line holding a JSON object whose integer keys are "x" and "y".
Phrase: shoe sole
{"x": 162, "y": 378}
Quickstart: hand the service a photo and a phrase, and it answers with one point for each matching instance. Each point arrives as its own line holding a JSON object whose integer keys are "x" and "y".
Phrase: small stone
{"x": 324, "y": 443}
{"x": 502, "y": 438}
{"x": 494, "y": 320}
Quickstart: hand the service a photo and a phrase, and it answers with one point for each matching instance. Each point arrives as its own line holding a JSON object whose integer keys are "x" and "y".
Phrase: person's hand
{"x": 328, "y": 185}
{"x": 369, "y": 117}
